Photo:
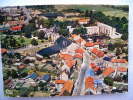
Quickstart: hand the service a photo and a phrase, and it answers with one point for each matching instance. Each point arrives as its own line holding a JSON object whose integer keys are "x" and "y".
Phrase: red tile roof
{"x": 78, "y": 56}
{"x": 108, "y": 71}
{"x": 66, "y": 56}
{"x": 119, "y": 61}
{"x": 7, "y": 81}
{"x": 77, "y": 38}
{"x": 21, "y": 66}
{"x": 96, "y": 43}
{"x": 122, "y": 69}
{"x": 89, "y": 44}
{"x": 70, "y": 63}
{"x": 97, "y": 52}
{"x": 94, "y": 67}
{"x": 79, "y": 50}
{"x": 89, "y": 83}
{"x": 15, "y": 28}
{"x": 3, "y": 50}
{"x": 68, "y": 86}
{"x": 60, "y": 81}
{"x": 83, "y": 20}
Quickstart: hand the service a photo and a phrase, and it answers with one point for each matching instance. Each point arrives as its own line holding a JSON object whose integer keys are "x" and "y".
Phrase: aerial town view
{"x": 64, "y": 50}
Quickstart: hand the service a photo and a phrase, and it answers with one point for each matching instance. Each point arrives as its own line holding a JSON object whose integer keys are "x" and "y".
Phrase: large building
{"x": 99, "y": 29}
{"x": 92, "y": 30}
{"x": 105, "y": 29}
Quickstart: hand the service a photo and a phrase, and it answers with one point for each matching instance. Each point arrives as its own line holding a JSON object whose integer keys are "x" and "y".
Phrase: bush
{"x": 34, "y": 42}
{"x": 111, "y": 47}
{"x": 64, "y": 32}
{"x": 28, "y": 29}
{"x": 41, "y": 35}
{"x": 80, "y": 30}
{"x": 14, "y": 74}
{"x": 124, "y": 36}
{"x": 109, "y": 81}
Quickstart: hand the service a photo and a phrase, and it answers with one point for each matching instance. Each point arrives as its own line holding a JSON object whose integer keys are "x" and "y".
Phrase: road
{"x": 27, "y": 13}
{"x": 80, "y": 81}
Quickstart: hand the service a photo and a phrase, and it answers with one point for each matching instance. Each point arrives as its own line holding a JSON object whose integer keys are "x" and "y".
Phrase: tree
{"x": 90, "y": 14}
{"x": 99, "y": 72}
{"x": 125, "y": 78}
{"x": 28, "y": 35}
{"x": 46, "y": 22}
{"x": 41, "y": 35}
{"x": 118, "y": 51}
{"x": 109, "y": 81}
{"x": 43, "y": 85}
{"x": 2, "y": 19}
{"x": 115, "y": 22}
{"x": 17, "y": 55}
{"x": 35, "y": 33}
{"x": 118, "y": 78}
{"x": 34, "y": 42}
{"x": 125, "y": 28}
{"x": 124, "y": 31}
{"x": 24, "y": 91}
{"x": 64, "y": 32}
{"x": 14, "y": 74}
{"x": 80, "y": 30}
{"x": 62, "y": 25}
{"x": 22, "y": 41}
{"x": 97, "y": 16}
{"x": 6, "y": 74}
{"x": 28, "y": 29}
{"x": 111, "y": 47}
{"x": 10, "y": 42}
{"x": 86, "y": 13}
{"x": 124, "y": 36}
{"x": 92, "y": 21}
{"x": 124, "y": 20}
{"x": 121, "y": 24}
{"x": 23, "y": 75}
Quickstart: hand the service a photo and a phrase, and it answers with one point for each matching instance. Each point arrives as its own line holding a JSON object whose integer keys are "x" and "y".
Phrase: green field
{"x": 107, "y": 10}
{"x": 116, "y": 13}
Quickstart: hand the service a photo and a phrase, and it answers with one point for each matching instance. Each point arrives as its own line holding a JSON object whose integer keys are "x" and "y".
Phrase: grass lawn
{"x": 27, "y": 41}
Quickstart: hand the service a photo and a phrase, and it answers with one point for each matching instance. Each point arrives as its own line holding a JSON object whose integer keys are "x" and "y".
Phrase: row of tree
{"x": 121, "y": 24}
{"x": 10, "y": 42}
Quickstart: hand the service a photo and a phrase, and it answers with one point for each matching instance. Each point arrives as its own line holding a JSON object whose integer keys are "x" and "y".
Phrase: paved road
{"x": 25, "y": 10}
{"x": 80, "y": 81}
